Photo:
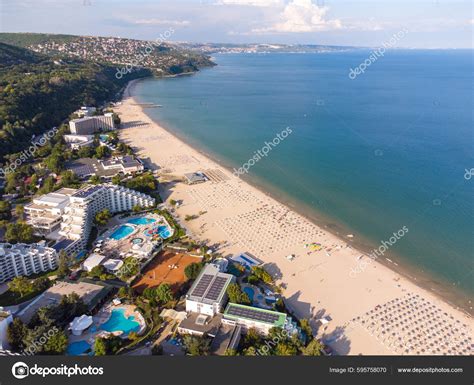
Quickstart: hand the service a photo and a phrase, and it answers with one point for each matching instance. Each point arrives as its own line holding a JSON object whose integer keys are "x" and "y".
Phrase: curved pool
{"x": 119, "y": 322}
{"x": 141, "y": 221}
{"x": 77, "y": 348}
{"x": 122, "y": 232}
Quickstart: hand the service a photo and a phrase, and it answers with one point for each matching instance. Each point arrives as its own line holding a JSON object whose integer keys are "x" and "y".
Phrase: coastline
{"x": 381, "y": 280}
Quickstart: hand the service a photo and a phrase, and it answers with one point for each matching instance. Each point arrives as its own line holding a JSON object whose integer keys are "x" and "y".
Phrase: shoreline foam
{"x": 336, "y": 294}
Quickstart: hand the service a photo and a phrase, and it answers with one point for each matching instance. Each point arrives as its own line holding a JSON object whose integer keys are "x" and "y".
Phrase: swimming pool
{"x": 137, "y": 241}
{"x": 141, "y": 221}
{"x": 250, "y": 292}
{"x": 119, "y": 322}
{"x": 163, "y": 231}
{"x": 77, "y": 348}
{"x": 122, "y": 232}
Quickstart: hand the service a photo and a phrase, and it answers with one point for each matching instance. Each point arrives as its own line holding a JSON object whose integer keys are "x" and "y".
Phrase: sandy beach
{"x": 373, "y": 312}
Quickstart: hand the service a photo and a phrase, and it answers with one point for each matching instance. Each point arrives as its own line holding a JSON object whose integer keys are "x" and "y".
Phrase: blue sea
{"x": 391, "y": 148}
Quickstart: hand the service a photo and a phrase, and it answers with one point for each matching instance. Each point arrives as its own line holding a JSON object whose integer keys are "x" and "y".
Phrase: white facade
{"x": 78, "y": 141}
{"x": 208, "y": 294}
{"x": 6, "y": 319}
{"x": 22, "y": 259}
{"x": 45, "y": 212}
{"x": 92, "y": 124}
{"x": 86, "y": 203}
{"x": 92, "y": 261}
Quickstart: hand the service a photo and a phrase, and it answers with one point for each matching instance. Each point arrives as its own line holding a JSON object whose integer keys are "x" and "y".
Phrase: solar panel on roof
{"x": 216, "y": 288}
{"x": 202, "y": 285}
{"x": 253, "y": 314}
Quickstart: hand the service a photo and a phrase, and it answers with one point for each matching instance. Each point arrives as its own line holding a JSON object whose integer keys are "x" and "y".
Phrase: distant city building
{"x": 87, "y": 202}
{"x": 92, "y": 124}
{"x": 44, "y": 213}
{"x": 22, "y": 260}
{"x": 208, "y": 294}
{"x": 77, "y": 141}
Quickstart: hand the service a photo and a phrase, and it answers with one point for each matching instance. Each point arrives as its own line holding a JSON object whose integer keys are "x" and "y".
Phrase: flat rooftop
{"x": 236, "y": 311}
{"x": 51, "y": 297}
{"x": 202, "y": 324}
{"x": 210, "y": 285}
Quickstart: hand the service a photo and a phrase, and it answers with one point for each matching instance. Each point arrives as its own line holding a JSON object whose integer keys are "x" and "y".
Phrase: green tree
{"x": 16, "y": 334}
{"x": 20, "y": 285}
{"x": 5, "y": 210}
{"x": 102, "y": 152}
{"x": 192, "y": 270}
{"x": 164, "y": 294}
{"x": 314, "y": 348}
{"x": 230, "y": 352}
{"x": 56, "y": 344}
{"x": 69, "y": 179}
{"x": 86, "y": 152}
{"x": 19, "y": 232}
{"x": 196, "y": 346}
{"x": 236, "y": 295}
{"x": 63, "y": 265}
{"x": 262, "y": 274}
{"x": 102, "y": 217}
{"x": 285, "y": 348}
{"x": 95, "y": 179}
{"x": 306, "y": 329}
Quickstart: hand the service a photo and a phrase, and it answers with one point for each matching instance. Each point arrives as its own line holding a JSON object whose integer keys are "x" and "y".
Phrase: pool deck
{"x": 124, "y": 247}
{"x": 102, "y": 317}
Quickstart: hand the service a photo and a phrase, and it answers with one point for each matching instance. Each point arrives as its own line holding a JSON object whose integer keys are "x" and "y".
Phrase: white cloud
{"x": 160, "y": 22}
{"x": 302, "y": 16}
{"x": 252, "y": 3}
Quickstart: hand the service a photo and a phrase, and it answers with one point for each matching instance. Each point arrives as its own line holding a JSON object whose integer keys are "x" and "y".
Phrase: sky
{"x": 428, "y": 23}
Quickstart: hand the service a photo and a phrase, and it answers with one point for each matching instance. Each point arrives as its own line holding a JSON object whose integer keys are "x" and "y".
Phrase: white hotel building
{"x": 22, "y": 259}
{"x": 87, "y": 202}
{"x": 92, "y": 124}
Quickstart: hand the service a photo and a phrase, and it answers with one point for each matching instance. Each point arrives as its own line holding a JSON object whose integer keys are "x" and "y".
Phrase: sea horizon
{"x": 173, "y": 105}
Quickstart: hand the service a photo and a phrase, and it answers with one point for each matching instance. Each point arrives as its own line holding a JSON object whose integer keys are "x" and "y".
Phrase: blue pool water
{"x": 77, "y": 348}
{"x": 250, "y": 292}
{"x": 164, "y": 232}
{"x": 119, "y": 322}
{"x": 122, "y": 232}
{"x": 141, "y": 221}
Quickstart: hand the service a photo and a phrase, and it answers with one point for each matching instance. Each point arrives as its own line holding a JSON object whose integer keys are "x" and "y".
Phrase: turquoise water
{"x": 163, "y": 231}
{"x": 365, "y": 156}
{"x": 122, "y": 232}
{"x": 118, "y": 322}
{"x": 141, "y": 221}
{"x": 77, "y": 348}
{"x": 250, "y": 292}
